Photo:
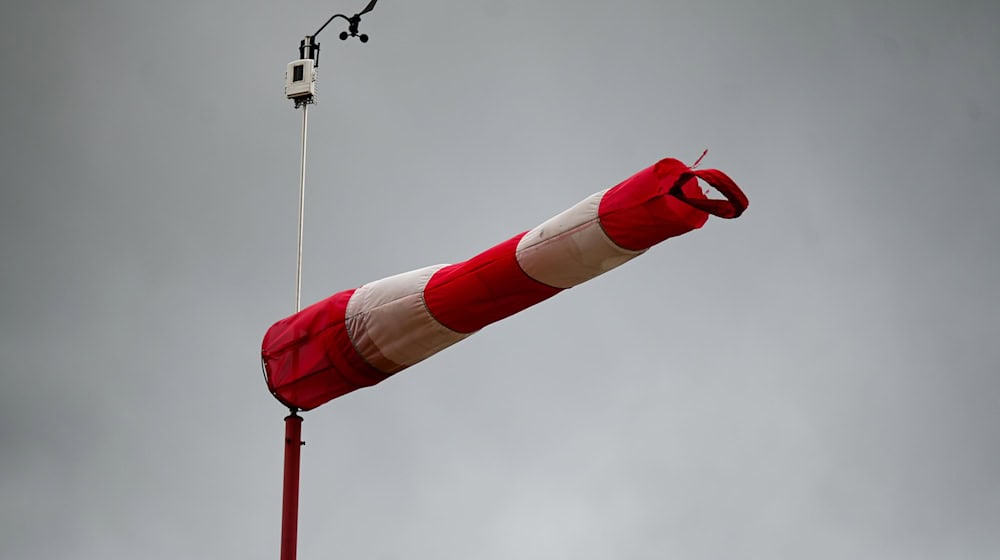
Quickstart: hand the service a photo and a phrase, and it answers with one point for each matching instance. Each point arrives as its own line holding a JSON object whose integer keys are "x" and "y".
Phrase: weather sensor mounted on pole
{"x": 300, "y": 87}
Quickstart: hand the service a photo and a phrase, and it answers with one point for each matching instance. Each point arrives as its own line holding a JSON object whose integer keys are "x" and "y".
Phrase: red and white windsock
{"x": 359, "y": 337}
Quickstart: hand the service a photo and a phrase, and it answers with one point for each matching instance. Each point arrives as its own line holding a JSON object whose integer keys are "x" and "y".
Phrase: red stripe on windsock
{"x": 467, "y": 296}
{"x": 640, "y": 211}
{"x": 310, "y": 358}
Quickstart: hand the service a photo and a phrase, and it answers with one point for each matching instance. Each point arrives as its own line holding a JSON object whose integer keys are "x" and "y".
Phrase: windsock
{"x": 359, "y": 337}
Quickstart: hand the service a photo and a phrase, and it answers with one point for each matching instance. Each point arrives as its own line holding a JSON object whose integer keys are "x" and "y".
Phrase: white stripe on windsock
{"x": 571, "y": 248}
{"x": 389, "y": 324}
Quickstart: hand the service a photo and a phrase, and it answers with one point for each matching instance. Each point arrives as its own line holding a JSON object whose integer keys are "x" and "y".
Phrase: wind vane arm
{"x": 333, "y": 17}
{"x": 352, "y": 23}
{"x": 360, "y": 337}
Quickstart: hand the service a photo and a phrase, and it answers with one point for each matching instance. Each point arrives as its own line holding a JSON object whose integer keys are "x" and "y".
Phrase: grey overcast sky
{"x": 817, "y": 379}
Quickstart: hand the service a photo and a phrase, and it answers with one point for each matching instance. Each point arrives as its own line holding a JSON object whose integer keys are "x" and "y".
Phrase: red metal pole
{"x": 290, "y": 490}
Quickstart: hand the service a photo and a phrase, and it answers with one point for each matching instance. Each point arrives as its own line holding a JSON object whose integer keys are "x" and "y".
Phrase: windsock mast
{"x": 300, "y": 86}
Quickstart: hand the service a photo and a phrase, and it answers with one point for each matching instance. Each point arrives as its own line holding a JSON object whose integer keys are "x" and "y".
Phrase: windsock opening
{"x": 732, "y": 207}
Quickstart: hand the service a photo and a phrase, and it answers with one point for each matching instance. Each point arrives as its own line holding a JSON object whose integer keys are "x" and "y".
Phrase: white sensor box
{"x": 300, "y": 79}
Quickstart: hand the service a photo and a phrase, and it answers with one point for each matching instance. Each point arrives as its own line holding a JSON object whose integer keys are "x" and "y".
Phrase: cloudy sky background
{"x": 819, "y": 378}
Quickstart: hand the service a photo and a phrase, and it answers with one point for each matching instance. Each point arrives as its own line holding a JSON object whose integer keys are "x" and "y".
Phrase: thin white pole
{"x": 302, "y": 208}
